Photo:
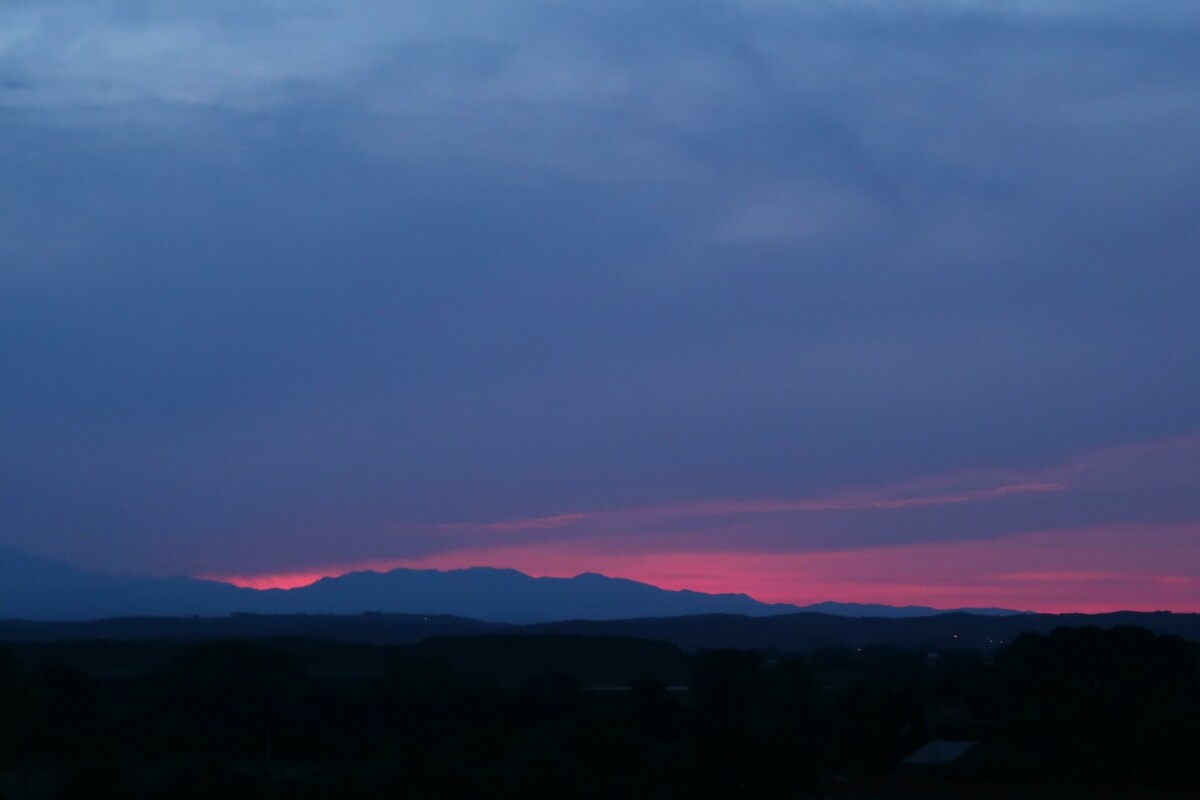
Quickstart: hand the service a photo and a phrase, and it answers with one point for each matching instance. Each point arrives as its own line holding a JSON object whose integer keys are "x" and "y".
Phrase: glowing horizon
{"x": 1028, "y": 572}
{"x": 1084, "y": 563}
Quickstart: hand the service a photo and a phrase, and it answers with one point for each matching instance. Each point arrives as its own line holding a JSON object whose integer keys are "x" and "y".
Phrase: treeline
{"x": 544, "y": 717}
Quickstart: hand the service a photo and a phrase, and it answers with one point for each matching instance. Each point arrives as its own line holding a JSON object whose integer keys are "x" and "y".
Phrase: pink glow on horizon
{"x": 1087, "y": 570}
{"x": 295, "y": 580}
{"x": 287, "y": 580}
{"x": 1091, "y": 567}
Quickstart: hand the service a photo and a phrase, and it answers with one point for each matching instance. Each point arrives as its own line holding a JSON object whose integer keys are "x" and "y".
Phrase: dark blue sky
{"x": 296, "y": 287}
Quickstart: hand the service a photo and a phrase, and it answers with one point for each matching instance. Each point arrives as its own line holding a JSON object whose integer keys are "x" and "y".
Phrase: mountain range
{"x": 41, "y": 589}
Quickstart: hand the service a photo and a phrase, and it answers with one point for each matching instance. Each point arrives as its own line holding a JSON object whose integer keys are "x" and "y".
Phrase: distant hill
{"x": 366, "y": 628}
{"x": 129, "y": 646}
{"x": 40, "y": 589}
{"x": 806, "y": 631}
{"x": 895, "y": 612}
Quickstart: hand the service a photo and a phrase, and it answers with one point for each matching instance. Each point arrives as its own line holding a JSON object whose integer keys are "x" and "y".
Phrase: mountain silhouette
{"x": 41, "y": 589}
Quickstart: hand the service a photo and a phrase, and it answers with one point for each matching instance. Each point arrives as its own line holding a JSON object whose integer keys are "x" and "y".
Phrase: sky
{"x": 810, "y": 299}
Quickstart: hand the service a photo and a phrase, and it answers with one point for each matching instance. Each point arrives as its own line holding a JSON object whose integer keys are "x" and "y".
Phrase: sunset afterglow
{"x": 855, "y": 301}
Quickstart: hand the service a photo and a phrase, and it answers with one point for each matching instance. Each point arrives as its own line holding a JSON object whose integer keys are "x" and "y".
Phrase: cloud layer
{"x": 285, "y": 285}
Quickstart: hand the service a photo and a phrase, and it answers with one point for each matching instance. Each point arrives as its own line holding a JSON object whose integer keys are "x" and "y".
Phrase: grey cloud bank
{"x": 286, "y": 283}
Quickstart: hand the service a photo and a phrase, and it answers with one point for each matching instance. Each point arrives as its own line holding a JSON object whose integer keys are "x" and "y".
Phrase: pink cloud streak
{"x": 1081, "y": 566}
{"x": 857, "y": 501}
{"x": 1094, "y": 570}
{"x": 1090, "y": 570}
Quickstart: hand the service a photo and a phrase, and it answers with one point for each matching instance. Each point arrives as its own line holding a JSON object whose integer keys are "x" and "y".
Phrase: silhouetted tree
{"x": 1107, "y": 701}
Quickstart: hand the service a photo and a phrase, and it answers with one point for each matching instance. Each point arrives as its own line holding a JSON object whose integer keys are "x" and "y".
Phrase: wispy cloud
{"x": 534, "y": 524}
{"x": 882, "y": 500}
{"x": 964, "y": 504}
{"x": 859, "y": 501}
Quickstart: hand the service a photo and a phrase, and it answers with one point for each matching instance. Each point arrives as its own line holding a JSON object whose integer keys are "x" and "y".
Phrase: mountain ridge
{"x": 36, "y": 588}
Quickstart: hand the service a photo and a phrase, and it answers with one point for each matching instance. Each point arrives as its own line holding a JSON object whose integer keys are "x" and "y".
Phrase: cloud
{"x": 885, "y": 499}
{"x": 298, "y": 282}
{"x": 1146, "y": 483}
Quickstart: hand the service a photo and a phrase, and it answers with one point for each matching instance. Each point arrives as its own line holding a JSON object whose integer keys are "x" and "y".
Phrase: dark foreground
{"x": 1080, "y": 712}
